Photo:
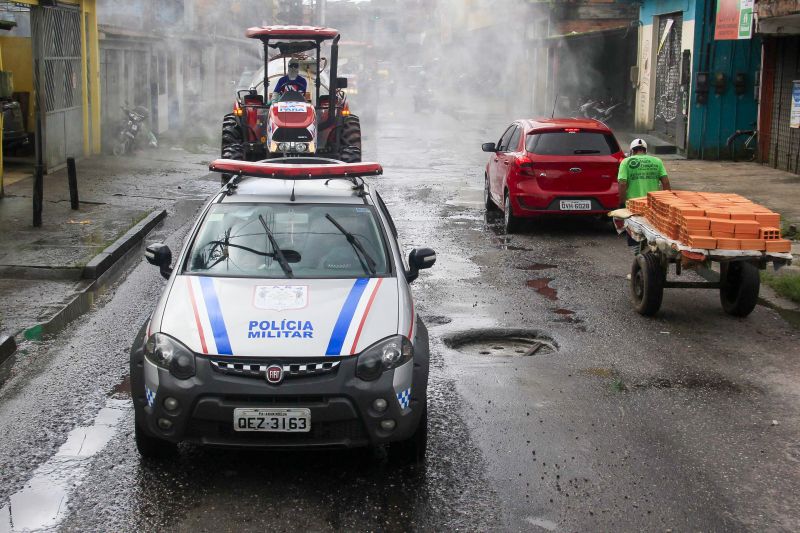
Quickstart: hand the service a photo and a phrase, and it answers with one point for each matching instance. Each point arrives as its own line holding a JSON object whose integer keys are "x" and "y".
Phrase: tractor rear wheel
{"x": 232, "y": 141}
{"x": 350, "y": 142}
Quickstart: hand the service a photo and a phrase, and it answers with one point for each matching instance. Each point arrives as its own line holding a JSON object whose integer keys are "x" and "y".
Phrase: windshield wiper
{"x": 278, "y": 253}
{"x": 370, "y": 264}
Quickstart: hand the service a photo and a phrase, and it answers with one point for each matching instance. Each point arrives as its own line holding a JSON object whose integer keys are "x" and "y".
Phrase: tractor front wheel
{"x": 232, "y": 141}
{"x": 350, "y": 141}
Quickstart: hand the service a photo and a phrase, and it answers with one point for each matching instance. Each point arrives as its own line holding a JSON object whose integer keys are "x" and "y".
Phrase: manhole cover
{"x": 502, "y": 342}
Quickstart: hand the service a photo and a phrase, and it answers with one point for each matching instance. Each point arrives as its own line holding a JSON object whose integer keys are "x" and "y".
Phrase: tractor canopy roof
{"x": 302, "y": 33}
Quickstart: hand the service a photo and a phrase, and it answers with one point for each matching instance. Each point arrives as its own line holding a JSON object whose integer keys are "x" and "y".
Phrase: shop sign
{"x": 734, "y": 19}
{"x": 794, "y": 117}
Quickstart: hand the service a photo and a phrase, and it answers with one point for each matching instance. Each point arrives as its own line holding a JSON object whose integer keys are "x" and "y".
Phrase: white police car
{"x": 287, "y": 320}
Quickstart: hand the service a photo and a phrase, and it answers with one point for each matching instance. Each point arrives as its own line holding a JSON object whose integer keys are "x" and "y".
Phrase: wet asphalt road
{"x": 626, "y": 424}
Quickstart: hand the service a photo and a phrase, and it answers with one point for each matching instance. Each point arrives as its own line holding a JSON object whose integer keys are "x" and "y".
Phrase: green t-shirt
{"x": 643, "y": 174}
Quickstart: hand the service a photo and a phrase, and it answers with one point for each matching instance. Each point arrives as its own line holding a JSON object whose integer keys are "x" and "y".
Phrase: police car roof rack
{"x": 296, "y": 168}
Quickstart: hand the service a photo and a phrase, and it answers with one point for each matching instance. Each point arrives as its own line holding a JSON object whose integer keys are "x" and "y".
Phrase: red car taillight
{"x": 525, "y": 167}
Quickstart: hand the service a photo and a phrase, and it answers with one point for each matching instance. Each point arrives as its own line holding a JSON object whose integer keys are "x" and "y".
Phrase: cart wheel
{"x": 740, "y": 286}
{"x": 647, "y": 284}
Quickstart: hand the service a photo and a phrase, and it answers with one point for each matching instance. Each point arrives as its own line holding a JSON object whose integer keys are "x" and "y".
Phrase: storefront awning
{"x": 617, "y": 28}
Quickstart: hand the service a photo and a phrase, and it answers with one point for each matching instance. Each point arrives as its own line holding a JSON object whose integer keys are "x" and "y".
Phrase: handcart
{"x": 738, "y": 279}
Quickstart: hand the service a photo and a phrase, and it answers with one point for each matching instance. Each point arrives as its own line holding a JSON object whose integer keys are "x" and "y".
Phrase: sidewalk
{"x": 51, "y": 274}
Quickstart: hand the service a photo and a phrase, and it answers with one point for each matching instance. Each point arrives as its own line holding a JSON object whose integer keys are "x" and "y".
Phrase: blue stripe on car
{"x": 346, "y": 317}
{"x": 215, "y": 317}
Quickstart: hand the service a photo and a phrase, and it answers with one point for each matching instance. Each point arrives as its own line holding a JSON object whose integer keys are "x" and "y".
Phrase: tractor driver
{"x": 293, "y": 81}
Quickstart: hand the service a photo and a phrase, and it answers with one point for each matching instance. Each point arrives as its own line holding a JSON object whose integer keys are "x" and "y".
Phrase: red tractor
{"x": 291, "y": 123}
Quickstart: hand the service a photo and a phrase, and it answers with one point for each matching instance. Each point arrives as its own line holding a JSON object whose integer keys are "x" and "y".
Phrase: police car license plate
{"x": 278, "y": 420}
{"x": 575, "y": 205}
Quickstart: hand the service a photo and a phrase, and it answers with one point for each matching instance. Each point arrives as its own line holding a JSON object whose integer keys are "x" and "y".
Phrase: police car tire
{"x": 412, "y": 451}
{"x": 487, "y": 198}
{"x": 738, "y": 291}
{"x": 151, "y": 447}
{"x": 647, "y": 284}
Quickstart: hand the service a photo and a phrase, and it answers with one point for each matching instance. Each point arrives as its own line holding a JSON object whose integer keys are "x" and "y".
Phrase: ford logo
{"x": 274, "y": 374}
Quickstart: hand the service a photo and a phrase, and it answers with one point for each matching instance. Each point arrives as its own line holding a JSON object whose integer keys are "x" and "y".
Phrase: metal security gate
{"x": 668, "y": 75}
{"x": 56, "y": 34}
{"x": 784, "y": 145}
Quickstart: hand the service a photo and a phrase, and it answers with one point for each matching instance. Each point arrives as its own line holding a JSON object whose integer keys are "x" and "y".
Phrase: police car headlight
{"x": 382, "y": 356}
{"x": 301, "y": 147}
{"x": 164, "y": 351}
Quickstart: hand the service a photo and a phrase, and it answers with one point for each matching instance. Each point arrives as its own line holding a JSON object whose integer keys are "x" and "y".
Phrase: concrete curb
{"x": 105, "y": 259}
{"x": 103, "y": 271}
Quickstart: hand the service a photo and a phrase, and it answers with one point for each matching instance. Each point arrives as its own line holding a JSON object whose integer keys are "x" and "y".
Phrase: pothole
{"x": 436, "y": 320}
{"x": 502, "y": 342}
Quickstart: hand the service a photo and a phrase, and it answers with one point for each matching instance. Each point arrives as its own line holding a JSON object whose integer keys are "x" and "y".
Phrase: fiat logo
{"x": 274, "y": 374}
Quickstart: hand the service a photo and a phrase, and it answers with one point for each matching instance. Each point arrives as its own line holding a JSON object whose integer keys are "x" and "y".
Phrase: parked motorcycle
{"x": 598, "y": 109}
{"x": 131, "y": 128}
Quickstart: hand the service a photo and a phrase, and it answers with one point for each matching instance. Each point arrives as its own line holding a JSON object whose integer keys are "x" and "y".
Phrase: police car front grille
{"x": 259, "y": 370}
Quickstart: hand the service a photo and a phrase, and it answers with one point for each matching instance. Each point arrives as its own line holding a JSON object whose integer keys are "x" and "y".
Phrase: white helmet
{"x": 638, "y": 143}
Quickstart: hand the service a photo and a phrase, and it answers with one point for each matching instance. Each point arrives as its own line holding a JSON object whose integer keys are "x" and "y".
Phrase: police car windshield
{"x": 232, "y": 241}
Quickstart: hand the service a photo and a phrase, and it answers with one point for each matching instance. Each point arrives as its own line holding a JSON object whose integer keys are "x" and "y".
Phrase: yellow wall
{"x": 17, "y": 56}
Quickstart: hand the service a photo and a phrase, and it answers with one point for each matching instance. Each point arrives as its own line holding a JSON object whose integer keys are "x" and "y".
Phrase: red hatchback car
{"x": 562, "y": 166}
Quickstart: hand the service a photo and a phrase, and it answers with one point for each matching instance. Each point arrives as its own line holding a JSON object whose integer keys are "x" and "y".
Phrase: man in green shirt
{"x": 640, "y": 173}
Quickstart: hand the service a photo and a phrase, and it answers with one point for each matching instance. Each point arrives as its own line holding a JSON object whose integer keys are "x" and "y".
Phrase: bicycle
{"x": 748, "y": 149}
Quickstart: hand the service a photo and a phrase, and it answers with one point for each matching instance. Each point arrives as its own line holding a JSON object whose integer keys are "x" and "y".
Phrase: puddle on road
{"x": 541, "y": 285}
{"x": 502, "y": 343}
{"x": 42, "y": 502}
{"x": 122, "y": 390}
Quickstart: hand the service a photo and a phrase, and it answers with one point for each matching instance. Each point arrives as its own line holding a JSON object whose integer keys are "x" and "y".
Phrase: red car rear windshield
{"x": 575, "y": 143}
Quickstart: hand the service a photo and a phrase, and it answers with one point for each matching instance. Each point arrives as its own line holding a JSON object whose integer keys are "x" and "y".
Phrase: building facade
{"x": 694, "y": 89}
{"x": 51, "y": 53}
{"x": 180, "y": 59}
{"x": 778, "y": 24}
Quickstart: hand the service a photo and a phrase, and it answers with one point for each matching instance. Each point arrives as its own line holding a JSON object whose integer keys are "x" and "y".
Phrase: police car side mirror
{"x": 419, "y": 259}
{"x": 160, "y": 255}
{"x": 488, "y": 147}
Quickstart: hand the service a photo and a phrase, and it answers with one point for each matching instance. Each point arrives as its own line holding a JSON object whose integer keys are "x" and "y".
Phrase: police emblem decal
{"x": 280, "y": 297}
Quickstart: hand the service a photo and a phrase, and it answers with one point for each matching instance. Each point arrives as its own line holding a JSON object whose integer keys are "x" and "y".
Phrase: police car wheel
{"x": 412, "y": 451}
{"x": 151, "y": 447}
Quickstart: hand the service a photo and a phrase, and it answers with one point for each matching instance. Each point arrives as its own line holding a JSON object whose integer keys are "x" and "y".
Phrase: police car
{"x": 287, "y": 320}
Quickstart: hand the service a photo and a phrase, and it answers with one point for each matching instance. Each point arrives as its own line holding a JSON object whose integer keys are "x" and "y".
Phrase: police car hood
{"x": 280, "y": 318}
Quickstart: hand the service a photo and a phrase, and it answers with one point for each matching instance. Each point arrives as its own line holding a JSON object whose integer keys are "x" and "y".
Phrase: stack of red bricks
{"x": 712, "y": 220}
